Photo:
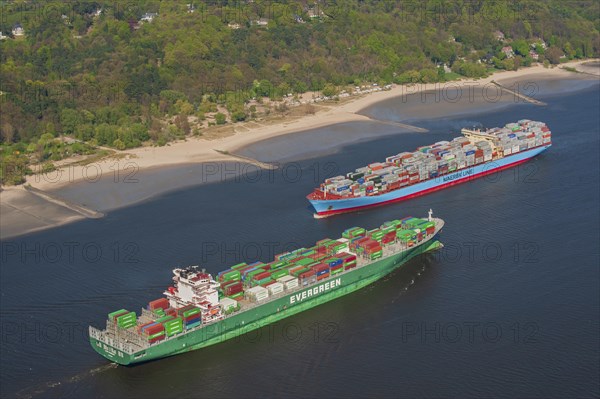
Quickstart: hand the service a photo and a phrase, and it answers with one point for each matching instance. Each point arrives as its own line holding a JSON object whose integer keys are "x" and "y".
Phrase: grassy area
{"x": 570, "y": 69}
{"x": 453, "y": 76}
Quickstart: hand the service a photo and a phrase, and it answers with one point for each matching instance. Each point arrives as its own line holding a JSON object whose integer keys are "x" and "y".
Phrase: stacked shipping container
{"x": 440, "y": 158}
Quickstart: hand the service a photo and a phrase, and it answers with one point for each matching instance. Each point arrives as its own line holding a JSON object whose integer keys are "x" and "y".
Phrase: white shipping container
{"x": 275, "y": 288}
{"x": 257, "y": 293}
{"x": 228, "y": 303}
{"x": 288, "y": 282}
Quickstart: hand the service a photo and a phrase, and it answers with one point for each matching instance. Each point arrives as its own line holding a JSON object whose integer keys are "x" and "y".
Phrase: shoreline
{"x": 198, "y": 150}
{"x": 38, "y": 207}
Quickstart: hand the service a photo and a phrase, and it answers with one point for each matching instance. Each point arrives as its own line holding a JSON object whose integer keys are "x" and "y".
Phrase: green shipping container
{"x": 175, "y": 329}
{"x": 305, "y": 262}
{"x": 127, "y": 318}
{"x": 279, "y": 264}
{"x": 117, "y": 312}
{"x": 341, "y": 269}
{"x": 279, "y": 273}
{"x": 233, "y": 275}
{"x": 239, "y": 266}
{"x": 176, "y": 322}
{"x": 340, "y": 246}
{"x": 263, "y": 281}
{"x": 191, "y": 312}
{"x": 239, "y": 294}
{"x": 254, "y": 273}
{"x": 128, "y": 325}
{"x": 163, "y": 319}
{"x": 388, "y": 229}
{"x": 158, "y": 334}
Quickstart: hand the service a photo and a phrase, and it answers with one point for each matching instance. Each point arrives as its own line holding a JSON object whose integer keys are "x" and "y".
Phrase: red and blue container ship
{"x": 409, "y": 174}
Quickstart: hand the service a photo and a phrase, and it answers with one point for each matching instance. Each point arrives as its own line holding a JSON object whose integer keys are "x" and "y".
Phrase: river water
{"x": 509, "y": 307}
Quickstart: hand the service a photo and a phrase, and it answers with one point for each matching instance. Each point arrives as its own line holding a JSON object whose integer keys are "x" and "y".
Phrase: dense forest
{"x": 124, "y": 73}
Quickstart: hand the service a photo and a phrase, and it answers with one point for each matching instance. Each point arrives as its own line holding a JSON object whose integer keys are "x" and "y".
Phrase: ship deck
{"x": 131, "y": 342}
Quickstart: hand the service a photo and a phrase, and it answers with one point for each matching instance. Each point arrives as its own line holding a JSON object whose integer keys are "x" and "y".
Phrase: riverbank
{"x": 196, "y": 150}
{"x": 175, "y": 162}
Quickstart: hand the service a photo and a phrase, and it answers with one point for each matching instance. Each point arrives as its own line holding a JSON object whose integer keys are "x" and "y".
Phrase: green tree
{"x": 220, "y": 118}
{"x": 70, "y": 120}
{"x": 119, "y": 144}
{"x": 330, "y": 90}
{"x": 520, "y": 47}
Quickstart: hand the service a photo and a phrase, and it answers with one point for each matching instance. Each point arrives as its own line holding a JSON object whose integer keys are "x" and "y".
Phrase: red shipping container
{"x": 184, "y": 308}
{"x": 307, "y": 274}
{"x": 234, "y": 288}
{"x": 171, "y": 312}
{"x": 319, "y": 268}
{"x": 346, "y": 267}
{"x": 372, "y": 250}
{"x": 295, "y": 269}
{"x": 162, "y": 303}
{"x": 350, "y": 258}
{"x": 322, "y": 276}
{"x": 265, "y": 285}
{"x": 156, "y": 339}
{"x": 261, "y": 276}
{"x": 370, "y": 244}
{"x": 430, "y": 230}
{"x": 154, "y": 329}
{"x": 337, "y": 267}
{"x": 139, "y": 328}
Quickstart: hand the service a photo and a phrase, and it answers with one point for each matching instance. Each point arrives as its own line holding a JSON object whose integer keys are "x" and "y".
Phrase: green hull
{"x": 268, "y": 313}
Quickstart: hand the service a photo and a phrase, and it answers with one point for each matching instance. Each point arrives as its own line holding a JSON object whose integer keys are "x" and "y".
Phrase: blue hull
{"x": 334, "y": 206}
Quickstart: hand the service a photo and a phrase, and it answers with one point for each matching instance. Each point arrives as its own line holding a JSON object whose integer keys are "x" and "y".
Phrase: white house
{"x": 148, "y": 17}
{"x": 534, "y": 55}
{"x": 508, "y": 51}
{"x": 18, "y": 30}
{"x": 260, "y": 22}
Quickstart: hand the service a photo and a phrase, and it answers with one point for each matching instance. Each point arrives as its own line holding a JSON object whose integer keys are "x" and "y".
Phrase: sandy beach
{"x": 199, "y": 150}
{"x": 194, "y": 150}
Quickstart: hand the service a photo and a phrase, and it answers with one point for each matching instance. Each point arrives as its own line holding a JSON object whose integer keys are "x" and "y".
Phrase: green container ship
{"x": 199, "y": 311}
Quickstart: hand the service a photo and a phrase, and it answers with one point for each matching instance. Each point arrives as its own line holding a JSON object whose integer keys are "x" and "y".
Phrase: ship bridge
{"x": 477, "y": 135}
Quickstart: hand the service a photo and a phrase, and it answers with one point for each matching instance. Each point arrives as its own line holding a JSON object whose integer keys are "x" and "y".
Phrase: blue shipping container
{"x": 189, "y": 326}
